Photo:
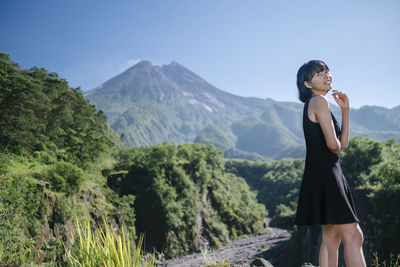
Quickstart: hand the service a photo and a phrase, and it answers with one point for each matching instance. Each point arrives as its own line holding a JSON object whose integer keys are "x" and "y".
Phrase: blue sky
{"x": 248, "y": 48}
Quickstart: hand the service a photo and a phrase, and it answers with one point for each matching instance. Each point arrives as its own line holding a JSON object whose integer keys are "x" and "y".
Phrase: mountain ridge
{"x": 150, "y": 104}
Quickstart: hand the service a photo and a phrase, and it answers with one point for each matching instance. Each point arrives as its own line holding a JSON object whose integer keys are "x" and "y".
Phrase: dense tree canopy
{"x": 50, "y": 140}
{"x": 39, "y": 110}
{"x": 184, "y": 197}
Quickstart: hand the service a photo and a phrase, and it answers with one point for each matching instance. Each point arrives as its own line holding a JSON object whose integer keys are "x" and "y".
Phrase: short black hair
{"x": 306, "y": 73}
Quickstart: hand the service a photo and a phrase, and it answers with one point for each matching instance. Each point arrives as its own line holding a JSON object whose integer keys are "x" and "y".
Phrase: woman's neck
{"x": 318, "y": 92}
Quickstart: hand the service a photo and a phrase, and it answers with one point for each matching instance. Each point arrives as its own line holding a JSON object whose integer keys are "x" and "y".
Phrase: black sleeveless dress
{"x": 324, "y": 196}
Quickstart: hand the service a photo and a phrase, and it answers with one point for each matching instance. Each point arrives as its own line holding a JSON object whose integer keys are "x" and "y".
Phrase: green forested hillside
{"x": 60, "y": 161}
{"x": 39, "y": 110}
{"x": 277, "y": 133}
{"x": 277, "y": 184}
{"x": 52, "y": 147}
{"x": 185, "y": 198}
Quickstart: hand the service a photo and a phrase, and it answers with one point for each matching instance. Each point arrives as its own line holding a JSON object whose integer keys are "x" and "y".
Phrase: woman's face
{"x": 321, "y": 81}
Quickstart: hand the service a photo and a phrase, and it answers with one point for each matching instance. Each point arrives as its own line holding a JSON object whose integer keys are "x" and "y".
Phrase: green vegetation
{"x": 36, "y": 215}
{"x": 224, "y": 264}
{"x": 253, "y": 139}
{"x": 277, "y": 184}
{"x": 270, "y": 139}
{"x": 39, "y": 111}
{"x": 373, "y": 170}
{"x": 60, "y": 160}
{"x": 184, "y": 197}
{"x": 221, "y": 137}
{"x": 53, "y": 146}
{"x": 393, "y": 261}
{"x": 105, "y": 247}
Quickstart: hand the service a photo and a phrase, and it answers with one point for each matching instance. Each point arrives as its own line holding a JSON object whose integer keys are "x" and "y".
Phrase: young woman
{"x": 325, "y": 196}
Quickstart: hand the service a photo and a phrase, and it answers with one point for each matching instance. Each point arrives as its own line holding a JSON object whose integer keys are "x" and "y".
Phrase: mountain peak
{"x": 143, "y": 64}
{"x": 146, "y": 64}
{"x": 174, "y": 65}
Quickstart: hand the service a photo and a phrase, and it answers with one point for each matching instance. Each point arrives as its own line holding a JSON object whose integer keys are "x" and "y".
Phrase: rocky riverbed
{"x": 240, "y": 252}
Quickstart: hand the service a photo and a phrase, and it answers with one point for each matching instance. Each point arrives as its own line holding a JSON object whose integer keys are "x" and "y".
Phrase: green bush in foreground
{"x": 105, "y": 247}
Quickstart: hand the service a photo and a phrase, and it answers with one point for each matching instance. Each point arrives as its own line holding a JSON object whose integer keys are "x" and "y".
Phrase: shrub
{"x": 65, "y": 177}
{"x": 106, "y": 247}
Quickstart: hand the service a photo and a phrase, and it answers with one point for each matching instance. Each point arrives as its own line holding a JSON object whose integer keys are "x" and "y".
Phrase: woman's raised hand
{"x": 341, "y": 99}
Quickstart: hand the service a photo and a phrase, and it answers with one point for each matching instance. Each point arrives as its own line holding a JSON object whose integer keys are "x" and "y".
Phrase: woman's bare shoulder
{"x": 319, "y": 102}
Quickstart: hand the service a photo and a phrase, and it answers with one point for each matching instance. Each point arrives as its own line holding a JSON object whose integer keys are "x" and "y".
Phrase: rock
{"x": 41, "y": 185}
{"x": 266, "y": 263}
{"x": 260, "y": 262}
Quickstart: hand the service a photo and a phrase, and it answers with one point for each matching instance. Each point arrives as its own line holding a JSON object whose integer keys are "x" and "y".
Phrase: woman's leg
{"x": 352, "y": 237}
{"x": 328, "y": 253}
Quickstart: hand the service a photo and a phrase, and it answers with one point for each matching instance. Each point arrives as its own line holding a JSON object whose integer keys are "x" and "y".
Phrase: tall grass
{"x": 105, "y": 247}
{"x": 394, "y": 261}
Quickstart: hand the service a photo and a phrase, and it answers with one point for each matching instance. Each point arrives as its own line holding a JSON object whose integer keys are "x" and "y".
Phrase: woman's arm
{"x": 319, "y": 105}
{"x": 343, "y": 102}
